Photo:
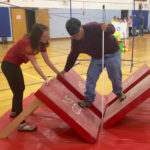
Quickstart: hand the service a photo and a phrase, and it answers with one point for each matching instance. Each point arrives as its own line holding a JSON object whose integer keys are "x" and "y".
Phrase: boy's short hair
{"x": 73, "y": 26}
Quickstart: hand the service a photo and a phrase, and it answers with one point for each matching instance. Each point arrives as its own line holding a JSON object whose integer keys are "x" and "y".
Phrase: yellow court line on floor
{"x": 34, "y": 77}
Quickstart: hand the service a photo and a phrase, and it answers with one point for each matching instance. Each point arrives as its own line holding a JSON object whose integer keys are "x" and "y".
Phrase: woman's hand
{"x": 62, "y": 73}
{"x": 46, "y": 82}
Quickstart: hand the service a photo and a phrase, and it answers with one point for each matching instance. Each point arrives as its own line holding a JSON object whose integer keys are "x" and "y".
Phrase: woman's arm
{"x": 37, "y": 67}
{"x": 48, "y": 62}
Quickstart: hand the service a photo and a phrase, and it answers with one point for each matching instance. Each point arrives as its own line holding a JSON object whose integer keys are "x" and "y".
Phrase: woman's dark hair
{"x": 35, "y": 35}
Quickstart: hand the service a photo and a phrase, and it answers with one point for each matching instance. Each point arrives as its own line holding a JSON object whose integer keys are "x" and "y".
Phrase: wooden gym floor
{"x": 58, "y": 52}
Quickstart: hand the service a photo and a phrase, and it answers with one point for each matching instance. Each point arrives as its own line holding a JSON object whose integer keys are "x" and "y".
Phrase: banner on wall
{"x": 121, "y": 27}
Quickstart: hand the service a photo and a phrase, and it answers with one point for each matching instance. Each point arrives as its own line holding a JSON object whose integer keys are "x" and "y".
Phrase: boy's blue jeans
{"x": 112, "y": 62}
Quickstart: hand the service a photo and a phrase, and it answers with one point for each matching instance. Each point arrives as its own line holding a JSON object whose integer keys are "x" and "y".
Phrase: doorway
{"x": 124, "y": 14}
{"x": 30, "y": 18}
{"x": 18, "y": 22}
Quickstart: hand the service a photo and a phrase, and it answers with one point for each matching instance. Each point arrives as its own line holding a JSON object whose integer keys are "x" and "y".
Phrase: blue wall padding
{"x": 5, "y": 30}
{"x": 136, "y": 13}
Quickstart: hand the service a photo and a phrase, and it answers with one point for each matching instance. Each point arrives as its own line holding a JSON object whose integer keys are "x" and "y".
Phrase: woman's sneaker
{"x": 84, "y": 103}
{"x": 121, "y": 96}
{"x": 24, "y": 127}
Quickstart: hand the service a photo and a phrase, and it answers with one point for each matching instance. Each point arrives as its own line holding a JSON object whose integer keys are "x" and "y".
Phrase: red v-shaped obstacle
{"x": 115, "y": 112}
{"x": 64, "y": 103}
{"x": 136, "y": 95}
{"x": 130, "y": 82}
{"x": 62, "y": 98}
{"x": 76, "y": 85}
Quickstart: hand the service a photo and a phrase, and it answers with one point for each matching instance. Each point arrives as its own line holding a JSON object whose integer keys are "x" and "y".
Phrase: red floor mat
{"x": 131, "y": 132}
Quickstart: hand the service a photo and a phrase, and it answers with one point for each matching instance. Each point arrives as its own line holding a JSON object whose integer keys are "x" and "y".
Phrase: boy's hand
{"x": 103, "y": 26}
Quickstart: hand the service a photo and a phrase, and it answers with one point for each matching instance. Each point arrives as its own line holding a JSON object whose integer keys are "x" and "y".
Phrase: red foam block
{"x": 76, "y": 84}
{"x": 64, "y": 103}
{"x": 131, "y": 81}
{"x": 139, "y": 93}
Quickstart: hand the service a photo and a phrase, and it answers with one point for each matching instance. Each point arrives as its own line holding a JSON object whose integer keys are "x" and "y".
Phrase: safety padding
{"x": 130, "y": 82}
{"x": 64, "y": 103}
{"x": 76, "y": 84}
{"x": 139, "y": 93}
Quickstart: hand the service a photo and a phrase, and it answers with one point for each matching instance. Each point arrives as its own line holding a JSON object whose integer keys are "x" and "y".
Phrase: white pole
{"x": 102, "y": 133}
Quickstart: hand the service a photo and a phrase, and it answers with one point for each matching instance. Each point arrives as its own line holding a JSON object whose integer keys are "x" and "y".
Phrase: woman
{"x": 130, "y": 24}
{"x": 22, "y": 52}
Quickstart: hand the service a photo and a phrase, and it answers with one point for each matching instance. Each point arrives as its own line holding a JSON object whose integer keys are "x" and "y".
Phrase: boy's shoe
{"x": 13, "y": 114}
{"x": 84, "y": 103}
{"x": 121, "y": 96}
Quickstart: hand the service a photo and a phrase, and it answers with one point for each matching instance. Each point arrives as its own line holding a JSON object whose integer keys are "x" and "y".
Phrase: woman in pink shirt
{"x": 130, "y": 24}
{"x": 22, "y": 52}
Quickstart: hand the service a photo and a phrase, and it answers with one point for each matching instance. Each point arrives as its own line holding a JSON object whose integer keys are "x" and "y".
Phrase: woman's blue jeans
{"x": 112, "y": 62}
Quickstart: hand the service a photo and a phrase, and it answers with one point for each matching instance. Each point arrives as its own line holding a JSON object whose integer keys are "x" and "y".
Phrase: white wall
{"x": 85, "y": 4}
{"x": 58, "y": 18}
{"x": 91, "y": 8}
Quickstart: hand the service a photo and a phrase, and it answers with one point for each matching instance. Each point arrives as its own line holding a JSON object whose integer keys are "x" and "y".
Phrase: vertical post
{"x": 102, "y": 72}
{"x": 132, "y": 36}
{"x": 70, "y": 10}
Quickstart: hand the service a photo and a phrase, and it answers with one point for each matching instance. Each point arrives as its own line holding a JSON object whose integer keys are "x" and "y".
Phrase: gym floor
{"x": 58, "y": 52}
